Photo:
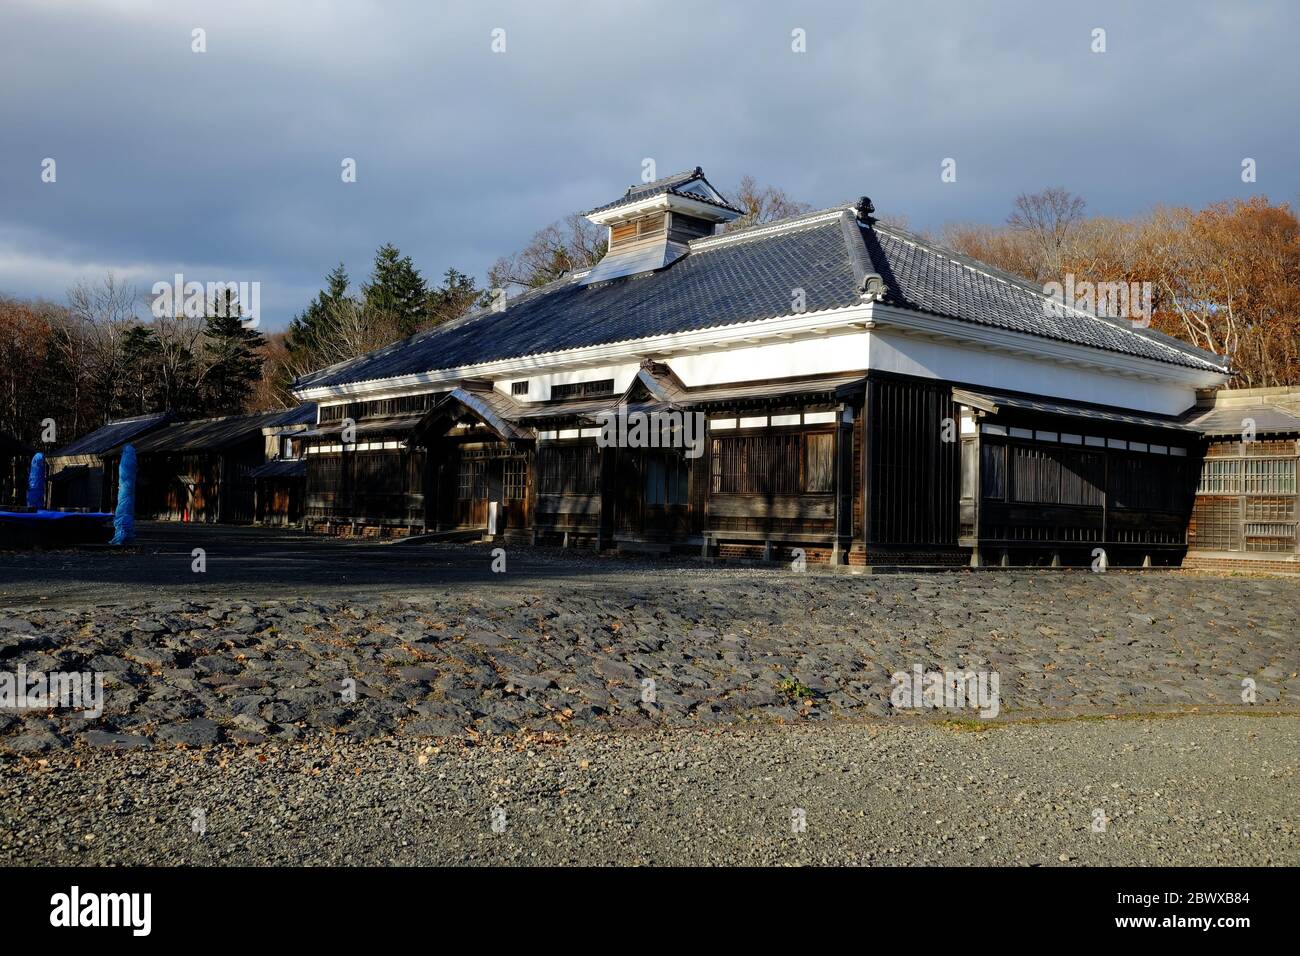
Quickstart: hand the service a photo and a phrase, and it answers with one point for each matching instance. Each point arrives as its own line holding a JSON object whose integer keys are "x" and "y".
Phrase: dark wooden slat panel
{"x": 802, "y": 507}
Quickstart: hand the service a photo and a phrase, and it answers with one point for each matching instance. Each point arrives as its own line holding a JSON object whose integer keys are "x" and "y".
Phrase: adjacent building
{"x": 203, "y": 470}
{"x": 863, "y": 395}
{"x": 1247, "y": 503}
{"x": 78, "y": 477}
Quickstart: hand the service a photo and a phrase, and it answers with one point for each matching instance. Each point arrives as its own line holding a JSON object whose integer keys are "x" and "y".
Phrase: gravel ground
{"x": 228, "y": 703}
{"x": 1174, "y": 791}
{"x": 656, "y": 650}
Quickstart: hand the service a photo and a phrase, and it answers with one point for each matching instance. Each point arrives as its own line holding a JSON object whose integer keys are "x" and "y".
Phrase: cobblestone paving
{"x": 720, "y": 648}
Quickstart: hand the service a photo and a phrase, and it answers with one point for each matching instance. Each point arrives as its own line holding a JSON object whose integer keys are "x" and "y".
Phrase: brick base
{"x": 1219, "y": 561}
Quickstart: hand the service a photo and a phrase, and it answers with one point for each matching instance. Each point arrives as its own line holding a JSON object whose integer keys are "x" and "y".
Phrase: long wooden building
{"x": 864, "y": 395}
{"x": 205, "y": 470}
{"x": 80, "y": 479}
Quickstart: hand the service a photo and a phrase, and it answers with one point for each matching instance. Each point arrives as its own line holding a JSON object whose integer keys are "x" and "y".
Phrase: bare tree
{"x": 762, "y": 204}
{"x": 88, "y": 340}
{"x": 349, "y": 328}
{"x": 571, "y": 244}
{"x": 1049, "y": 219}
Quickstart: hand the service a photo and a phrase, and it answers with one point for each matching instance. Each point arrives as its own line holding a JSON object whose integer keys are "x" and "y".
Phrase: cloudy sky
{"x": 225, "y": 165}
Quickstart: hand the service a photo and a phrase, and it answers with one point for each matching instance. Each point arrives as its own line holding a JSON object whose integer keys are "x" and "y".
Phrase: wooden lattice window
{"x": 583, "y": 389}
{"x": 568, "y": 469}
{"x": 471, "y": 479}
{"x": 1220, "y": 476}
{"x": 515, "y": 479}
{"x": 784, "y": 463}
{"x": 1269, "y": 476}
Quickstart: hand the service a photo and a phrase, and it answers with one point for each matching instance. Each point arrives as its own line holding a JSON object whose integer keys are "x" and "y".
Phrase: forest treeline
{"x": 1225, "y": 278}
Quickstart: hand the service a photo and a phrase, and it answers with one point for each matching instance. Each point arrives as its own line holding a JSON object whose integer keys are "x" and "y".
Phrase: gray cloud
{"x": 226, "y": 164}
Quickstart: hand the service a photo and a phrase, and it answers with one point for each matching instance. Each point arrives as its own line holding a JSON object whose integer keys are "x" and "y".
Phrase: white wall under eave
{"x": 756, "y": 363}
{"x": 539, "y": 384}
{"x": 925, "y": 358}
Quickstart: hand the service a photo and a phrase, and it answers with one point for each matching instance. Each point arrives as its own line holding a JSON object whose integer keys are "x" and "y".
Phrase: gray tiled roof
{"x": 997, "y": 401}
{"x": 496, "y": 410}
{"x": 111, "y": 435}
{"x": 1231, "y": 420}
{"x": 748, "y": 277}
{"x": 919, "y": 276}
{"x": 212, "y": 434}
{"x": 723, "y": 285}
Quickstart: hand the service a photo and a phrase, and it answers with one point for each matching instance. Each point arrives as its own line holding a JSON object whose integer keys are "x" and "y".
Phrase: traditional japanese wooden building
{"x": 79, "y": 479}
{"x": 202, "y": 470}
{"x": 865, "y": 396}
{"x": 1248, "y": 499}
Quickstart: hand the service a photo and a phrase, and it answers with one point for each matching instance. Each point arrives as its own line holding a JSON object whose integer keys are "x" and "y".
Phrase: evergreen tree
{"x": 397, "y": 290}
{"x": 234, "y": 360}
{"x": 308, "y": 330}
{"x": 139, "y": 387}
{"x": 457, "y": 295}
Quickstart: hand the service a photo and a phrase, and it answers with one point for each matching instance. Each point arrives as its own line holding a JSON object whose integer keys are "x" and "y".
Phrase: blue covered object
{"x": 53, "y": 529}
{"x": 36, "y": 482}
{"x": 67, "y": 516}
{"x": 124, "y": 518}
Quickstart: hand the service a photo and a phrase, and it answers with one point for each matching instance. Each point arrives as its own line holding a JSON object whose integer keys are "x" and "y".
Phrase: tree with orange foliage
{"x": 1226, "y": 278}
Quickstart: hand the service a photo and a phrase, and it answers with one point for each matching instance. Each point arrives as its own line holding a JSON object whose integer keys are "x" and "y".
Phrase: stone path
{"x": 660, "y": 650}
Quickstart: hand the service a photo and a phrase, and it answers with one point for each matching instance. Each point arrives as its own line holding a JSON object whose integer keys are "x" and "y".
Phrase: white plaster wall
{"x": 539, "y": 385}
{"x": 756, "y": 363}
{"x": 908, "y": 355}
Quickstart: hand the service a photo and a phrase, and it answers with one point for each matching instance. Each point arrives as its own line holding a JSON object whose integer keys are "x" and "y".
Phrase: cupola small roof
{"x": 686, "y": 192}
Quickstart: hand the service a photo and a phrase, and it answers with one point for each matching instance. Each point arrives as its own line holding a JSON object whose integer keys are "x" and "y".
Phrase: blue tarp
{"x": 53, "y": 529}
{"x": 53, "y": 515}
{"x": 36, "y": 482}
{"x": 124, "y": 519}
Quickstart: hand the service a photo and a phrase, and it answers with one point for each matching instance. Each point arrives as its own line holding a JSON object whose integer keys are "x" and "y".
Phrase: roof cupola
{"x": 652, "y": 223}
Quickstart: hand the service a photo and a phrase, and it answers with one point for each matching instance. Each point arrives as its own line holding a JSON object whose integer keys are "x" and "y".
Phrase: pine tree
{"x": 308, "y": 330}
{"x": 139, "y": 388}
{"x": 397, "y": 290}
{"x": 234, "y": 360}
{"x": 457, "y": 295}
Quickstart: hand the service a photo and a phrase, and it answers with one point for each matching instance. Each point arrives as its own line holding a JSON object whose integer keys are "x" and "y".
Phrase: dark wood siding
{"x": 912, "y": 473}
{"x": 373, "y": 487}
{"x": 569, "y": 483}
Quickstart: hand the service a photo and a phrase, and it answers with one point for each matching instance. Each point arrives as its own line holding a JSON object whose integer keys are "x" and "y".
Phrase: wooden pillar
{"x": 843, "y": 485}
{"x": 867, "y": 433}
{"x": 605, "y": 528}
